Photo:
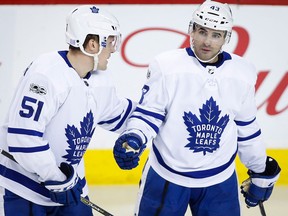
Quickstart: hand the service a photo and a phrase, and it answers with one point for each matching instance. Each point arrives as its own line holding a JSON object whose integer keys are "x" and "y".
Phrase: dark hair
{"x": 88, "y": 38}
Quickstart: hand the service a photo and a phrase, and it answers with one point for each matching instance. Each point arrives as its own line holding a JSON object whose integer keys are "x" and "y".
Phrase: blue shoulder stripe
{"x": 249, "y": 137}
{"x": 25, "y": 132}
{"x": 28, "y": 149}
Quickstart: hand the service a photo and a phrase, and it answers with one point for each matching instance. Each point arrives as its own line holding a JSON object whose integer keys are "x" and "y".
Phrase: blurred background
{"x": 29, "y": 28}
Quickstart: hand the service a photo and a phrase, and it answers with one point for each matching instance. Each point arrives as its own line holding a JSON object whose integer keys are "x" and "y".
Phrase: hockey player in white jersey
{"x": 198, "y": 109}
{"x": 60, "y": 99}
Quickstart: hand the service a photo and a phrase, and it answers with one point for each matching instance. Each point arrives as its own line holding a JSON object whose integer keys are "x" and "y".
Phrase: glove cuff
{"x": 137, "y": 133}
{"x": 269, "y": 176}
{"x": 70, "y": 182}
{"x": 265, "y": 181}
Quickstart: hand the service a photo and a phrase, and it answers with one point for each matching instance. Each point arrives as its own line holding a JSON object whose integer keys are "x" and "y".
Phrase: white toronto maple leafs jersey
{"x": 51, "y": 120}
{"x": 198, "y": 117}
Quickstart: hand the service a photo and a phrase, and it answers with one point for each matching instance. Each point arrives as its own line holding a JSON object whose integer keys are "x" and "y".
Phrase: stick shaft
{"x": 262, "y": 209}
{"x": 95, "y": 207}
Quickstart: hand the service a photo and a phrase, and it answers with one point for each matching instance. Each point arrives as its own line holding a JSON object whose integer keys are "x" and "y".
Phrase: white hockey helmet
{"x": 213, "y": 15}
{"x": 89, "y": 19}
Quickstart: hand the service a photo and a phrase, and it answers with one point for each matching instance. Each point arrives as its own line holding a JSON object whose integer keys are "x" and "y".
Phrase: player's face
{"x": 106, "y": 53}
{"x": 207, "y": 42}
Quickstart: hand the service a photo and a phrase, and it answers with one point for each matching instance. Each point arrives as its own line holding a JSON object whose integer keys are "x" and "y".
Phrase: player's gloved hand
{"x": 127, "y": 150}
{"x": 67, "y": 192}
{"x": 259, "y": 186}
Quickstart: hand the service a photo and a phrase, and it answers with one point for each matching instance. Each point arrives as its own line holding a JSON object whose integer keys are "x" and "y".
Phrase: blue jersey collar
{"x": 224, "y": 57}
{"x": 63, "y": 54}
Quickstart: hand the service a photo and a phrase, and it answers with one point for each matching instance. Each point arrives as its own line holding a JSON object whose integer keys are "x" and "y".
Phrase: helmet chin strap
{"x": 95, "y": 56}
{"x": 204, "y": 61}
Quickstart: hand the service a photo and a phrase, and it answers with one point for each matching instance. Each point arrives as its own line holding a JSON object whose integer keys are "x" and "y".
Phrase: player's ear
{"x": 95, "y": 45}
{"x": 92, "y": 46}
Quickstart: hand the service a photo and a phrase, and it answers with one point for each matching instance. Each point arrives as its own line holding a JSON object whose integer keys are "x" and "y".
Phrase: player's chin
{"x": 205, "y": 56}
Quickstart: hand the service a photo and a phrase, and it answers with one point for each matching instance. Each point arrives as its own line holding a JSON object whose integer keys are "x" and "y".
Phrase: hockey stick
{"x": 262, "y": 209}
{"x": 83, "y": 200}
{"x": 95, "y": 207}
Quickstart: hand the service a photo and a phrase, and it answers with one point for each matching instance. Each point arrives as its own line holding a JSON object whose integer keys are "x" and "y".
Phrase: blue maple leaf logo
{"x": 94, "y": 9}
{"x": 205, "y": 133}
{"x": 79, "y": 140}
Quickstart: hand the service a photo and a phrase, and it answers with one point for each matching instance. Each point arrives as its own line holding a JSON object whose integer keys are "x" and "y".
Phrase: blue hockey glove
{"x": 127, "y": 151}
{"x": 67, "y": 192}
{"x": 259, "y": 186}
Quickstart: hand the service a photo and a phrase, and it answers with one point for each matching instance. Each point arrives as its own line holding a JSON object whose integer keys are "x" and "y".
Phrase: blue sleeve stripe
{"x": 195, "y": 174}
{"x": 128, "y": 110}
{"x": 146, "y": 140}
{"x": 149, "y": 113}
{"x": 242, "y": 123}
{"x": 110, "y": 121}
{"x": 25, "y": 132}
{"x": 24, "y": 181}
{"x": 29, "y": 149}
{"x": 153, "y": 126}
{"x": 240, "y": 139}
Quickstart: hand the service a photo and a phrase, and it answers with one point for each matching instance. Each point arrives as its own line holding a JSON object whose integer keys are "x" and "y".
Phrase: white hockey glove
{"x": 259, "y": 186}
{"x": 67, "y": 192}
